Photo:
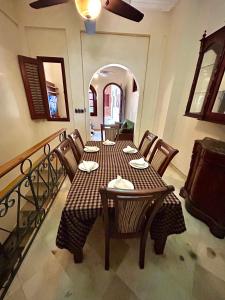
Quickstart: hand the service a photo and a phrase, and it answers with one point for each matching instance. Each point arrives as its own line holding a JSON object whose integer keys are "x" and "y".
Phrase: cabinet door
{"x": 216, "y": 109}
{"x": 202, "y": 85}
{"x": 207, "y": 95}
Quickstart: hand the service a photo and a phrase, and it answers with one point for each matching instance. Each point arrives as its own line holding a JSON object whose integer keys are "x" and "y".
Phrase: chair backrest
{"x": 77, "y": 141}
{"x": 147, "y": 142}
{"x": 111, "y": 132}
{"x": 67, "y": 157}
{"x": 161, "y": 156}
{"x": 132, "y": 209}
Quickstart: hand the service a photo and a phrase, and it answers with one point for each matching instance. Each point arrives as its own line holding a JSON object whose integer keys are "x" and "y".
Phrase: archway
{"x": 112, "y": 103}
{"x": 117, "y": 97}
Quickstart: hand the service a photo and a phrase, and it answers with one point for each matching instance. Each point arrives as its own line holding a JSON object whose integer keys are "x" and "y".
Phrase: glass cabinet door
{"x": 205, "y": 73}
{"x": 207, "y": 95}
{"x": 219, "y": 104}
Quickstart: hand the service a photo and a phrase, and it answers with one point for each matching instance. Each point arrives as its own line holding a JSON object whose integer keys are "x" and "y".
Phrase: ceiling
{"x": 161, "y": 5}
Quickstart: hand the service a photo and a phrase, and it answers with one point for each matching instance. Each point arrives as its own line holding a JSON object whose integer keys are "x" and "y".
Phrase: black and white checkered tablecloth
{"x": 83, "y": 202}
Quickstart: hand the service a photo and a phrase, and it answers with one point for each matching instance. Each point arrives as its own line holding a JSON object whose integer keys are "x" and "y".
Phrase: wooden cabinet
{"x": 204, "y": 190}
{"x": 207, "y": 95}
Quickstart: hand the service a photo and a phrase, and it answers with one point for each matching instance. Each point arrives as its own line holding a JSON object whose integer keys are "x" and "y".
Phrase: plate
{"x": 82, "y": 168}
{"x": 129, "y": 184}
{"x": 91, "y": 151}
{"x": 133, "y": 152}
{"x": 111, "y": 144}
{"x": 139, "y": 167}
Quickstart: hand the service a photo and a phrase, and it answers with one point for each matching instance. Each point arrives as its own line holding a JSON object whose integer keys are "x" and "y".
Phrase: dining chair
{"x": 67, "y": 157}
{"x": 146, "y": 143}
{"x": 111, "y": 132}
{"x": 161, "y": 156}
{"x": 131, "y": 216}
{"x": 77, "y": 142}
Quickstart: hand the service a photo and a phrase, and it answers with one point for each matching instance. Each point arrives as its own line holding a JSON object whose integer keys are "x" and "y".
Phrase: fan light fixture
{"x": 88, "y": 9}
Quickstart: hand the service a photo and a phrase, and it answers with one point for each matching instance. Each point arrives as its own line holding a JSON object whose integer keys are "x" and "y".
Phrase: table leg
{"x": 78, "y": 256}
{"x": 160, "y": 245}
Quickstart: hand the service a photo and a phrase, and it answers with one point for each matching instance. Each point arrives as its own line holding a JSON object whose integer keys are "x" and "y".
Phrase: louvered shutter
{"x": 32, "y": 84}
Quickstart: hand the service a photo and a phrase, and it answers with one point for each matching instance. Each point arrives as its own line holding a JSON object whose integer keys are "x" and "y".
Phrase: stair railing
{"x": 25, "y": 201}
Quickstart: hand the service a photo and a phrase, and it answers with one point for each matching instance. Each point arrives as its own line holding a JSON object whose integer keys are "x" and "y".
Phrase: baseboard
{"x": 178, "y": 171}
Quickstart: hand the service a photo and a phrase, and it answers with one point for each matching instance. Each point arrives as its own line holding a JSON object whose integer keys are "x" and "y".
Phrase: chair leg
{"x": 107, "y": 251}
{"x": 142, "y": 252}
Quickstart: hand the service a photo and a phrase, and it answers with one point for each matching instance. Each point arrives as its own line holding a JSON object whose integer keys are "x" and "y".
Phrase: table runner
{"x": 83, "y": 203}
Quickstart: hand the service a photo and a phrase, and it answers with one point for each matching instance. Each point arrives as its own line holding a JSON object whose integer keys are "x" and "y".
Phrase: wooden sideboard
{"x": 204, "y": 190}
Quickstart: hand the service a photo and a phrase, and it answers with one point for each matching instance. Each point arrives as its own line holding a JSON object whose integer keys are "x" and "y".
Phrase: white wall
{"x": 165, "y": 79}
{"x": 55, "y": 31}
{"x": 188, "y": 21}
{"x": 155, "y": 25}
{"x": 132, "y": 99}
{"x": 17, "y": 128}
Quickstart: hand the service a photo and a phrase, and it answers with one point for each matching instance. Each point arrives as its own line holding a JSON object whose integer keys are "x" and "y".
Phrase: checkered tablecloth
{"x": 83, "y": 203}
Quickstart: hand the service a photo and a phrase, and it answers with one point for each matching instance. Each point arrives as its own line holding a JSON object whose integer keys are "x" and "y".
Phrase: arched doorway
{"x": 113, "y": 96}
{"x": 112, "y": 103}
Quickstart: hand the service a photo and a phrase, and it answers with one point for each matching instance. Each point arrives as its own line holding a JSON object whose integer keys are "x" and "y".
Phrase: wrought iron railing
{"x": 25, "y": 202}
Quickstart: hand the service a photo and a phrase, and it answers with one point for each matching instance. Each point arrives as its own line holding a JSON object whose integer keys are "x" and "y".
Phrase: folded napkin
{"x": 88, "y": 165}
{"x": 120, "y": 183}
{"x": 129, "y": 149}
{"x": 139, "y": 162}
{"x": 91, "y": 148}
{"x": 108, "y": 142}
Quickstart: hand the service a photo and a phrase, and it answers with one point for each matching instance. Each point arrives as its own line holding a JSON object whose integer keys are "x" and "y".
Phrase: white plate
{"x": 139, "y": 167}
{"x": 111, "y": 144}
{"x": 82, "y": 168}
{"x": 91, "y": 151}
{"x": 129, "y": 184}
{"x": 133, "y": 152}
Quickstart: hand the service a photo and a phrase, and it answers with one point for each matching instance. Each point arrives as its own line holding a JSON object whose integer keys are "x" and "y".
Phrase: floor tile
{"x": 207, "y": 286}
{"x": 118, "y": 290}
{"x": 192, "y": 267}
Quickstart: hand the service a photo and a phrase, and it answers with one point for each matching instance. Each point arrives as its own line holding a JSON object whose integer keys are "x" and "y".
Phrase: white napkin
{"x": 108, "y": 142}
{"x": 88, "y": 165}
{"x": 129, "y": 149}
{"x": 91, "y": 148}
{"x": 139, "y": 162}
{"x": 120, "y": 183}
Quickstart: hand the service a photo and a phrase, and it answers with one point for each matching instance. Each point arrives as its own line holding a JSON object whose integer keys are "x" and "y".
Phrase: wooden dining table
{"x": 83, "y": 204}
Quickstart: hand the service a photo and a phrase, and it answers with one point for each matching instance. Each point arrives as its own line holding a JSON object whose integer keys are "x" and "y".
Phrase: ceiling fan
{"x": 90, "y": 9}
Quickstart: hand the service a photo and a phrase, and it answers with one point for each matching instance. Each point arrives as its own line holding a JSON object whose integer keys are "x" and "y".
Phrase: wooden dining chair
{"x": 111, "y": 132}
{"x": 67, "y": 157}
{"x": 146, "y": 143}
{"x": 77, "y": 142}
{"x": 161, "y": 156}
{"x": 131, "y": 216}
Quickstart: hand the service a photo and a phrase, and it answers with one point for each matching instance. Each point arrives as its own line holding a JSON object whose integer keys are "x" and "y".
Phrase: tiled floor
{"x": 193, "y": 266}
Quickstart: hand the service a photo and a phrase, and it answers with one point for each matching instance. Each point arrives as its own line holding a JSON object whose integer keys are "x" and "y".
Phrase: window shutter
{"x": 32, "y": 84}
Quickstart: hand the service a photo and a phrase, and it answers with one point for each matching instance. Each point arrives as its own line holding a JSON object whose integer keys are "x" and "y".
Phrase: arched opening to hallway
{"x": 112, "y": 103}
{"x": 113, "y": 97}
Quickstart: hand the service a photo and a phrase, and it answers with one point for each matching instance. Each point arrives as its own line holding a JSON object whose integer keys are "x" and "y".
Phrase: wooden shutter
{"x": 32, "y": 84}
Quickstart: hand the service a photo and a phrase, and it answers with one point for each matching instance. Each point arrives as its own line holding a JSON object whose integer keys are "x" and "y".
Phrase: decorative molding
{"x": 11, "y": 19}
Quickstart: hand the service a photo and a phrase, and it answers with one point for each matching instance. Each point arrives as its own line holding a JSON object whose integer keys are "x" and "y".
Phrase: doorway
{"x": 106, "y": 49}
{"x": 112, "y": 103}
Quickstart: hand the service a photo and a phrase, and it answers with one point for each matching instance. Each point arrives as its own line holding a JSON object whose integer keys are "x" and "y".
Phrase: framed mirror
{"x": 207, "y": 95}
{"x": 54, "y": 91}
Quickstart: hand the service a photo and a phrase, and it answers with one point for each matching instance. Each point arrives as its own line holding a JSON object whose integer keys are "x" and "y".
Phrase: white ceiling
{"x": 161, "y": 5}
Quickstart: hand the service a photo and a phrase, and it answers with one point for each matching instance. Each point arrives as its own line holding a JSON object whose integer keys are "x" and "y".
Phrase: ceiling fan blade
{"x": 45, "y": 3}
{"x": 90, "y": 26}
{"x": 123, "y": 9}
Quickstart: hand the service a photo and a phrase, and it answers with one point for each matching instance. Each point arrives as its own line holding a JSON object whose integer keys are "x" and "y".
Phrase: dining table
{"x": 83, "y": 204}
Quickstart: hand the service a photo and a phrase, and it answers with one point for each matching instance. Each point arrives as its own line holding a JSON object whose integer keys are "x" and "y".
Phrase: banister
{"x": 11, "y": 164}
